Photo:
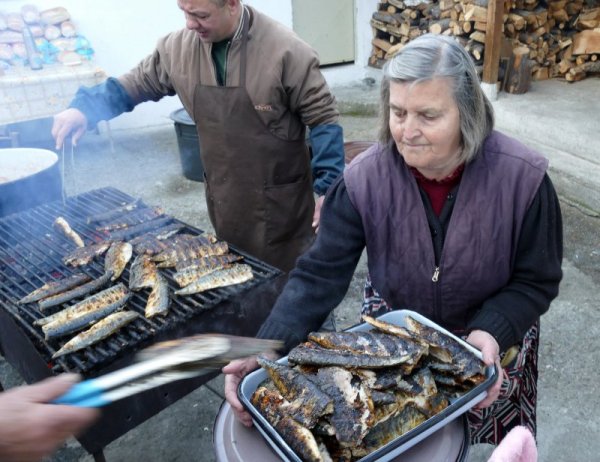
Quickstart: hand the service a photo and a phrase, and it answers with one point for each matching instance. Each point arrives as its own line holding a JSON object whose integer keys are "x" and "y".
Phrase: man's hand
{"x": 234, "y": 372}
{"x": 30, "y": 427}
{"x": 317, "y": 214}
{"x": 68, "y": 122}
{"x": 491, "y": 355}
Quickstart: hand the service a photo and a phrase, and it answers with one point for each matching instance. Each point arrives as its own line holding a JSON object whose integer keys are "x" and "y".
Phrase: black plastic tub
{"x": 28, "y": 177}
{"x": 189, "y": 145}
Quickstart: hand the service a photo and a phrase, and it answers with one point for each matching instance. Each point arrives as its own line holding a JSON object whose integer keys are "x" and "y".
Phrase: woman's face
{"x": 425, "y": 124}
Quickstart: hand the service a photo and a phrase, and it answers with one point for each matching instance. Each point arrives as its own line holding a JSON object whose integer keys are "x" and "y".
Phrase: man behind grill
{"x": 31, "y": 428}
{"x": 252, "y": 87}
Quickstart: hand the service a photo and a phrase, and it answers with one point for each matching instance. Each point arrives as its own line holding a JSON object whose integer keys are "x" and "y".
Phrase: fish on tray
{"x": 117, "y": 257}
{"x": 79, "y": 291}
{"x": 237, "y": 274}
{"x": 83, "y": 255}
{"x": 307, "y": 402}
{"x": 99, "y": 331}
{"x": 272, "y": 406}
{"x": 85, "y": 312}
{"x": 64, "y": 227}
{"x": 55, "y": 287}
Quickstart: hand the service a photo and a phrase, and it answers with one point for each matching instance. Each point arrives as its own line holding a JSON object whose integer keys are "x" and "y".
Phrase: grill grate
{"x": 31, "y": 254}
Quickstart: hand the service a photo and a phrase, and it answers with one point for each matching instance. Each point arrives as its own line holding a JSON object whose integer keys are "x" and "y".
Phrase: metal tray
{"x": 395, "y": 447}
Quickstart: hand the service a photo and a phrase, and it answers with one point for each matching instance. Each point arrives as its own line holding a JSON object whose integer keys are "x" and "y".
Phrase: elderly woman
{"x": 460, "y": 223}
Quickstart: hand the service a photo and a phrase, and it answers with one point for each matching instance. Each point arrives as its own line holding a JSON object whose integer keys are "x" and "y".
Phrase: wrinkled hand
{"x": 491, "y": 355}
{"x": 317, "y": 214}
{"x": 30, "y": 428}
{"x": 68, "y": 122}
{"x": 234, "y": 372}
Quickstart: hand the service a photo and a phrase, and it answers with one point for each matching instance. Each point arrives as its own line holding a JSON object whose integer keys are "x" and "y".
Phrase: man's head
{"x": 212, "y": 20}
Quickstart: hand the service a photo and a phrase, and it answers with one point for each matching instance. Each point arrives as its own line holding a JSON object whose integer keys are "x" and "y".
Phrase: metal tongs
{"x": 163, "y": 363}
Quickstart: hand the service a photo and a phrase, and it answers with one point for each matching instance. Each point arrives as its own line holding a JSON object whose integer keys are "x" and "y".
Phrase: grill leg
{"x": 99, "y": 456}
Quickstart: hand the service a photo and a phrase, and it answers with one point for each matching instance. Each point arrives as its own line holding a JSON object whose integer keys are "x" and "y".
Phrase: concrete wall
{"x": 123, "y": 32}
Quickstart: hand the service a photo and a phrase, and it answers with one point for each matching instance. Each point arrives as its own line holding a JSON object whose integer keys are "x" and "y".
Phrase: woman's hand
{"x": 491, "y": 355}
{"x": 31, "y": 427}
{"x": 68, "y": 122}
{"x": 317, "y": 214}
{"x": 234, "y": 372}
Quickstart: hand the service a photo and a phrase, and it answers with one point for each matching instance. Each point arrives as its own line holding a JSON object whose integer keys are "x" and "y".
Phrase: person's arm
{"x": 31, "y": 428}
{"x": 536, "y": 275}
{"x": 322, "y": 275}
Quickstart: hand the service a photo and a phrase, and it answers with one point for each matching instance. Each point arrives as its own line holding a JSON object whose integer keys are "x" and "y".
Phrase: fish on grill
{"x": 64, "y": 227}
{"x": 86, "y": 312}
{"x": 133, "y": 218}
{"x": 55, "y": 287}
{"x": 129, "y": 232}
{"x": 272, "y": 406}
{"x": 237, "y": 274}
{"x": 116, "y": 259}
{"x": 155, "y": 241}
{"x": 142, "y": 273}
{"x": 83, "y": 255}
{"x": 76, "y": 292}
{"x": 158, "y": 300}
{"x": 307, "y": 402}
{"x": 188, "y": 249}
{"x": 202, "y": 266}
{"x": 111, "y": 214}
{"x": 99, "y": 331}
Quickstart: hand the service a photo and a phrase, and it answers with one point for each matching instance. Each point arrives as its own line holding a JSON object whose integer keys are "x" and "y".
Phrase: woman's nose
{"x": 411, "y": 127}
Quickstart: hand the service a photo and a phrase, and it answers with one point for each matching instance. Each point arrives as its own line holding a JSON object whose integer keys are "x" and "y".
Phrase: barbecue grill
{"x": 31, "y": 254}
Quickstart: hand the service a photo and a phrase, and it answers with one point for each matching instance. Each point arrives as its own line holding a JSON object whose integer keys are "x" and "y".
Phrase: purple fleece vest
{"x": 477, "y": 260}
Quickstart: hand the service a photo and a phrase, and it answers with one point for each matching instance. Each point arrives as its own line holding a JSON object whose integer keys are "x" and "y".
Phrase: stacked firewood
{"x": 557, "y": 38}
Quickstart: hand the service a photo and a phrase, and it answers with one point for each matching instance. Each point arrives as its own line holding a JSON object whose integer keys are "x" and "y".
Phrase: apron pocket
{"x": 288, "y": 210}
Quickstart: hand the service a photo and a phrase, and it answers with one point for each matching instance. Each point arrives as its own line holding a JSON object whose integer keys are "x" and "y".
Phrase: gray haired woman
{"x": 460, "y": 222}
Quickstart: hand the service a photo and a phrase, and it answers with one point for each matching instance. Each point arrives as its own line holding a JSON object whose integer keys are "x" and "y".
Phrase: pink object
{"x": 517, "y": 446}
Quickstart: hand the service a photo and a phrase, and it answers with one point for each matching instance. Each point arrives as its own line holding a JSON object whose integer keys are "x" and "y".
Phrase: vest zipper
{"x": 436, "y": 274}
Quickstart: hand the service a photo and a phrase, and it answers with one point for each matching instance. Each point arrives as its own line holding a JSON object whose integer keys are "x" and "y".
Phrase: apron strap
{"x": 245, "y": 27}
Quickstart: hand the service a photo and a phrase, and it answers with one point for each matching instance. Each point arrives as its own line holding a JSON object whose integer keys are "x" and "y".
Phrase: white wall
{"x": 122, "y": 32}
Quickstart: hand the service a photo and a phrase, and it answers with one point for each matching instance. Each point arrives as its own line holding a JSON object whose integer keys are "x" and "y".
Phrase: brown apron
{"x": 258, "y": 187}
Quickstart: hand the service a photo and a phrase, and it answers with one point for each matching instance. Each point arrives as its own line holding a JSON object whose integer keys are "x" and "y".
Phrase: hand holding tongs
{"x": 163, "y": 363}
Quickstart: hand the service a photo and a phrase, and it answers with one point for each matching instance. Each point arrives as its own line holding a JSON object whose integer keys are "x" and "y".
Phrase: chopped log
{"x": 437, "y": 27}
{"x": 477, "y": 51}
{"x": 518, "y": 75}
{"x": 382, "y": 44}
{"x": 541, "y": 73}
{"x": 586, "y": 42}
{"x": 475, "y": 13}
{"x": 478, "y": 36}
{"x": 397, "y": 3}
{"x": 480, "y": 26}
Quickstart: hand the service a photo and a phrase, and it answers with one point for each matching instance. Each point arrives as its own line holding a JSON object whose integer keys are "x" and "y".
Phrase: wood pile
{"x": 542, "y": 40}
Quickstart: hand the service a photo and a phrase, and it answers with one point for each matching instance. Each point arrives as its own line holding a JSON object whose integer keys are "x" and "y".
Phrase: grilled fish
{"x": 189, "y": 250}
{"x": 203, "y": 266}
{"x": 129, "y": 232}
{"x": 63, "y": 226}
{"x": 307, "y": 402}
{"x": 237, "y": 274}
{"x": 100, "y": 330}
{"x": 110, "y": 214}
{"x": 117, "y": 257}
{"x": 84, "y": 255}
{"x": 55, "y": 287}
{"x": 143, "y": 273}
{"x": 86, "y": 312}
{"x": 309, "y": 354}
{"x": 131, "y": 219}
{"x": 158, "y": 300}
{"x": 76, "y": 292}
{"x": 392, "y": 428}
{"x": 298, "y": 437}
{"x": 352, "y": 407}
{"x": 371, "y": 343}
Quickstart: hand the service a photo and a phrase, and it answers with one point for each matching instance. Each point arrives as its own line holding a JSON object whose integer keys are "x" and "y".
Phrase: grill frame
{"x": 27, "y": 264}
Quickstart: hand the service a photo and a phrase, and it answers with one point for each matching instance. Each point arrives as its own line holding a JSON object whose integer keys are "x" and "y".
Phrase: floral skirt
{"x": 516, "y": 404}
